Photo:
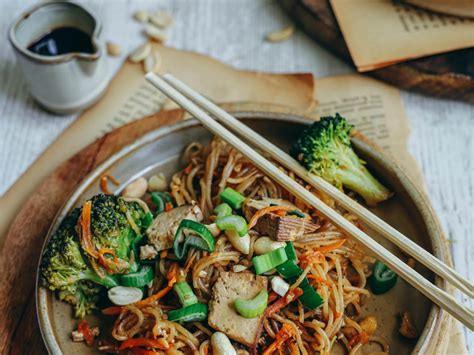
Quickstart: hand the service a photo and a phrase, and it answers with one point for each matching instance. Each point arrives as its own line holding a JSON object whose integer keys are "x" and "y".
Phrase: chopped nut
{"x": 280, "y": 36}
{"x": 141, "y": 16}
{"x": 77, "y": 336}
{"x": 136, "y": 188}
{"x": 113, "y": 49}
{"x": 156, "y": 33}
{"x": 161, "y": 19}
{"x": 140, "y": 53}
{"x": 407, "y": 329}
{"x": 369, "y": 325}
{"x": 157, "y": 182}
{"x": 152, "y": 63}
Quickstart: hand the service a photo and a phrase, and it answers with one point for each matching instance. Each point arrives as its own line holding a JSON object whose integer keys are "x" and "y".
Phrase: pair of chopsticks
{"x": 197, "y": 105}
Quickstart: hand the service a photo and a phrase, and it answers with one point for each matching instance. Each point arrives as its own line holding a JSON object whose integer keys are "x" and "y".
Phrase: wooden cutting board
{"x": 448, "y": 75}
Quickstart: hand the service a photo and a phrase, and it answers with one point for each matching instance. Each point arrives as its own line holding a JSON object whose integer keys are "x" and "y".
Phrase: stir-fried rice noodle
{"x": 339, "y": 276}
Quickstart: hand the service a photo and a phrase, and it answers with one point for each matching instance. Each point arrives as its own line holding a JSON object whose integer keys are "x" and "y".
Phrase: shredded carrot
{"x": 206, "y": 349}
{"x": 264, "y": 211}
{"x": 318, "y": 279}
{"x": 111, "y": 265}
{"x": 86, "y": 240}
{"x": 311, "y": 257}
{"x": 272, "y": 297}
{"x": 84, "y": 328}
{"x": 163, "y": 254}
{"x": 168, "y": 206}
{"x": 172, "y": 274}
{"x": 285, "y": 333}
{"x": 289, "y": 297}
{"x": 362, "y": 338}
{"x": 103, "y": 183}
{"x": 144, "y": 342}
{"x": 331, "y": 247}
{"x": 188, "y": 169}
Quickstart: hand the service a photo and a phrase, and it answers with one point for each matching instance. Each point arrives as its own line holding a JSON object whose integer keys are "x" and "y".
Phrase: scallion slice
{"x": 232, "y": 197}
{"x": 252, "y": 308}
{"x": 185, "y": 293}
{"x": 223, "y": 210}
{"x": 268, "y": 261}
{"x": 138, "y": 279}
{"x": 290, "y": 251}
{"x": 233, "y": 222}
{"x": 200, "y": 238}
{"x": 196, "y": 312}
{"x": 289, "y": 269}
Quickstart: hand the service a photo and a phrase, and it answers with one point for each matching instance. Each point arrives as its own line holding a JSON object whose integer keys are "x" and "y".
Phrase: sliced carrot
{"x": 103, "y": 183}
{"x": 111, "y": 265}
{"x": 264, "y": 211}
{"x": 168, "y": 206}
{"x": 85, "y": 222}
{"x": 285, "y": 333}
{"x": 289, "y": 297}
{"x": 172, "y": 274}
{"x": 331, "y": 247}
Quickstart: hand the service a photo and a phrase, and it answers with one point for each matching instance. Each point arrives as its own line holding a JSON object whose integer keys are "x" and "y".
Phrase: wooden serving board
{"x": 448, "y": 75}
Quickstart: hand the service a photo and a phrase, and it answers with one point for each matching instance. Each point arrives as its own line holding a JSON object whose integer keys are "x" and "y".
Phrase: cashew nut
{"x": 265, "y": 245}
{"x": 221, "y": 344}
{"x": 136, "y": 188}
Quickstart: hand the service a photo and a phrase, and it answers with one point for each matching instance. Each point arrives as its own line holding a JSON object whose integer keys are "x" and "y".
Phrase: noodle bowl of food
{"x": 178, "y": 244}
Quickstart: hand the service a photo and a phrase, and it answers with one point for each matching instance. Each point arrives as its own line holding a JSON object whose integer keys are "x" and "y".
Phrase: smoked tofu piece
{"x": 162, "y": 230}
{"x": 280, "y": 228}
{"x": 222, "y": 315}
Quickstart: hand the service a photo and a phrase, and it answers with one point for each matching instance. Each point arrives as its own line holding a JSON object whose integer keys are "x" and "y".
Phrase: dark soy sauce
{"x": 62, "y": 40}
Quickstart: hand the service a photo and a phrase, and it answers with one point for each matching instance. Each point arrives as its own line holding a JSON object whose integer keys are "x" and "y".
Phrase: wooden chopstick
{"x": 435, "y": 294}
{"x": 376, "y": 223}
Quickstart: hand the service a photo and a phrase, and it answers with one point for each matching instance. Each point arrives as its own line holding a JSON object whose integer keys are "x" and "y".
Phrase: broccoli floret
{"x": 66, "y": 268}
{"x": 325, "y": 150}
{"x": 110, "y": 227}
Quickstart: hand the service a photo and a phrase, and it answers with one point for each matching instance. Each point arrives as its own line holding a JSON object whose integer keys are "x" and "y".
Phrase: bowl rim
{"x": 435, "y": 234}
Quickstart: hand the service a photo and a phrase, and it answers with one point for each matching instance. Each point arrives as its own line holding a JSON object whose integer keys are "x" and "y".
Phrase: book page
{"x": 379, "y": 33}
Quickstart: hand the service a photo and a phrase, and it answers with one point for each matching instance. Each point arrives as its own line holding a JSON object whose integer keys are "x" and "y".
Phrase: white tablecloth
{"x": 233, "y": 32}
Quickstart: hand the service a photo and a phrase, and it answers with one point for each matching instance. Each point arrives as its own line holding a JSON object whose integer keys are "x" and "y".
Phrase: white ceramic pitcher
{"x": 64, "y": 83}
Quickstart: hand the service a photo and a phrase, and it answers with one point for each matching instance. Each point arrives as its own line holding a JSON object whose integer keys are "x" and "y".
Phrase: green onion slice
{"x": 138, "y": 279}
{"x": 268, "y": 261}
{"x": 185, "y": 293}
{"x": 200, "y": 238}
{"x": 157, "y": 200}
{"x": 232, "y": 197}
{"x": 196, "y": 312}
{"x": 290, "y": 251}
{"x": 223, "y": 210}
{"x": 235, "y": 223}
{"x": 382, "y": 279}
{"x": 289, "y": 269}
{"x": 252, "y": 308}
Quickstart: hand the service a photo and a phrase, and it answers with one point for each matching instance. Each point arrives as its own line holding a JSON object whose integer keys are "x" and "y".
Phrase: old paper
{"x": 379, "y": 33}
